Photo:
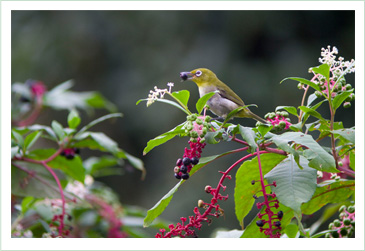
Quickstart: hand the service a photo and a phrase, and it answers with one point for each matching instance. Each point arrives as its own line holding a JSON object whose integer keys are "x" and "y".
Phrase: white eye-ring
{"x": 198, "y": 73}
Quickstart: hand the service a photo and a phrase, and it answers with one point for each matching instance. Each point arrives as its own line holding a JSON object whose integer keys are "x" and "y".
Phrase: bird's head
{"x": 200, "y": 76}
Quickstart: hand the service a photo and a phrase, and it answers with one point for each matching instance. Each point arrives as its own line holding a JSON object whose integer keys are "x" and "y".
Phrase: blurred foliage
{"x": 123, "y": 54}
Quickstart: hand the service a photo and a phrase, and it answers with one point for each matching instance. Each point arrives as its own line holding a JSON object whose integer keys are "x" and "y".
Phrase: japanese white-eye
{"x": 225, "y": 100}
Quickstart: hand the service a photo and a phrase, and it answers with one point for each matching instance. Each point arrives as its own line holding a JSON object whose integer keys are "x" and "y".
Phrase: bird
{"x": 224, "y": 100}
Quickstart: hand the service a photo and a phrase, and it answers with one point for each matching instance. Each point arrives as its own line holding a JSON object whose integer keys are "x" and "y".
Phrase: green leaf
{"x": 40, "y": 185}
{"x": 348, "y": 134}
{"x": 97, "y": 121}
{"x": 94, "y": 164}
{"x": 318, "y": 158}
{"x": 47, "y": 129}
{"x": 330, "y": 191}
{"x": 163, "y": 138}
{"x": 244, "y": 190}
{"x": 352, "y": 160}
{"x": 323, "y": 69}
{"x": 203, "y": 100}
{"x": 73, "y": 119}
{"x": 19, "y": 138}
{"x": 264, "y": 129}
{"x": 27, "y": 203}
{"x": 290, "y": 109}
{"x": 249, "y": 136}
{"x": 182, "y": 96}
{"x": 305, "y": 115}
{"x": 291, "y": 230}
{"x": 311, "y": 112}
{"x": 311, "y": 98}
{"x": 294, "y": 185}
{"x": 96, "y": 100}
{"x": 304, "y": 81}
{"x": 340, "y": 98}
{"x": 160, "y": 206}
{"x": 58, "y": 129}
{"x": 104, "y": 142}
{"x": 31, "y": 139}
{"x": 72, "y": 167}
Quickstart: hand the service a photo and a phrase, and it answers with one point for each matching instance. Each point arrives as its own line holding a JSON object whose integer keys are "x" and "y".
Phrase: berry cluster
{"x": 337, "y": 89}
{"x": 190, "y": 158}
{"x": 196, "y": 127}
{"x": 345, "y": 226}
{"x": 271, "y": 219}
{"x": 280, "y": 120}
{"x": 69, "y": 153}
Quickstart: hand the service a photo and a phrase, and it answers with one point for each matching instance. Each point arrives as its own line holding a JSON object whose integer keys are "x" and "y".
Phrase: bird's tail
{"x": 258, "y": 118}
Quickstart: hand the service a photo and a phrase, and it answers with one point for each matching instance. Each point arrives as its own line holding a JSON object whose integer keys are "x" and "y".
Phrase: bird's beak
{"x": 185, "y": 75}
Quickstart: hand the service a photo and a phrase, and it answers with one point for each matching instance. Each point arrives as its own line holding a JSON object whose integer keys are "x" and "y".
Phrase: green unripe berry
{"x": 348, "y": 87}
{"x": 318, "y": 94}
{"x": 352, "y": 95}
{"x": 343, "y": 231}
{"x": 337, "y": 223}
{"x": 202, "y": 140}
{"x": 327, "y": 235}
{"x": 285, "y": 114}
{"x": 207, "y": 118}
{"x": 194, "y": 134}
{"x": 343, "y": 215}
{"x": 347, "y": 105}
{"x": 300, "y": 86}
{"x": 191, "y": 117}
{"x": 199, "y": 121}
{"x": 282, "y": 124}
{"x": 272, "y": 115}
{"x": 342, "y": 208}
{"x": 335, "y": 234}
{"x": 204, "y": 130}
{"x": 331, "y": 226}
{"x": 193, "y": 140}
{"x": 347, "y": 222}
{"x": 351, "y": 209}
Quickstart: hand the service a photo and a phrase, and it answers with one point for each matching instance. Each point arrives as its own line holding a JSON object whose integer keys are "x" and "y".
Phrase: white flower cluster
{"x": 338, "y": 67}
{"x": 158, "y": 93}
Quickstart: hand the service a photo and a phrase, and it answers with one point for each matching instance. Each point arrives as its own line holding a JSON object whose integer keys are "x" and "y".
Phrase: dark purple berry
{"x": 62, "y": 153}
{"x": 177, "y": 176}
{"x": 280, "y": 214}
{"x": 253, "y": 182}
{"x": 254, "y": 196}
{"x": 179, "y": 162}
{"x": 277, "y": 223}
{"x": 194, "y": 160}
{"x": 185, "y": 176}
{"x": 69, "y": 156}
{"x": 186, "y": 161}
{"x": 184, "y": 169}
{"x": 260, "y": 223}
{"x": 24, "y": 99}
{"x": 76, "y": 150}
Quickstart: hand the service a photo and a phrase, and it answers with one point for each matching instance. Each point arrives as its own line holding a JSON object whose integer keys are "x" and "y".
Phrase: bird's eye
{"x": 198, "y": 73}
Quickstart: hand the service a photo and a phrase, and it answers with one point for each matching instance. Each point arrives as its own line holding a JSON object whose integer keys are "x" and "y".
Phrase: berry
{"x": 254, "y": 196}
{"x": 253, "y": 182}
{"x": 179, "y": 162}
{"x": 185, "y": 176}
{"x": 76, "y": 150}
{"x": 335, "y": 234}
{"x": 186, "y": 161}
{"x": 194, "y": 160}
{"x": 208, "y": 189}
{"x": 176, "y": 169}
{"x": 69, "y": 156}
{"x": 280, "y": 214}
{"x": 207, "y": 118}
{"x": 260, "y": 223}
{"x": 348, "y": 87}
{"x": 351, "y": 209}
{"x": 346, "y": 221}
{"x": 177, "y": 176}
{"x": 343, "y": 231}
{"x": 328, "y": 235}
{"x": 277, "y": 223}
{"x": 337, "y": 223}
{"x": 347, "y": 105}
{"x": 183, "y": 169}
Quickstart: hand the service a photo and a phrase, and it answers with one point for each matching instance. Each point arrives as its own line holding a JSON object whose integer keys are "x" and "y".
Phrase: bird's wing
{"x": 233, "y": 97}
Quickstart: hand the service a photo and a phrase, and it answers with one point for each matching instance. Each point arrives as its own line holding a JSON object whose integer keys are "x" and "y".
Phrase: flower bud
{"x": 200, "y": 203}
{"x": 207, "y": 189}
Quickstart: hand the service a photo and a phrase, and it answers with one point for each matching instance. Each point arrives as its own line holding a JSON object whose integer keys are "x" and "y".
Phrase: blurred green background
{"x": 124, "y": 54}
